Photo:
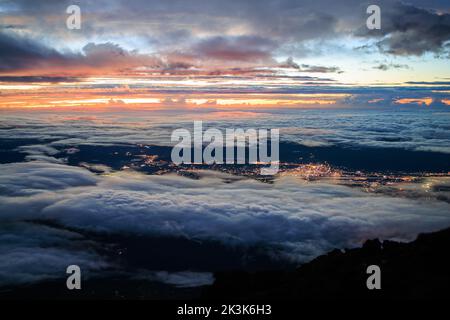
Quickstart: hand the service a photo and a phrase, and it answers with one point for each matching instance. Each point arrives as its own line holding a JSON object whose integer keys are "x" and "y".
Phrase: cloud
{"x": 66, "y": 129}
{"x": 443, "y": 83}
{"x": 32, "y": 253}
{"x": 291, "y": 219}
{"x": 409, "y": 30}
{"x": 385, "y": 67}
{"x": 184, "y": 279}
{"x": 243, "y": 48}
{"x": 296, "y": 219}
{"x": 320, "y": 69}
{"x": 286, "y": 18}
{"x": 37, "y": 79}
{"x": 290, "y": 63}
{"x": 238, "y": 55}
{"x": 20, "y": 179}
{"x": 21, "y": 55}
{"x": 187, "y": 37}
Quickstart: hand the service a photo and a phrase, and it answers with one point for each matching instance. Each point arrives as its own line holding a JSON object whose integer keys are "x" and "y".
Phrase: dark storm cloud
{"x": 320, "y": 69}
{"x": 290, "y": 63}
{"x": 21, "y": 53}
{"x": 186, "y": 33}
{"x": 388, "y": 66}
{"x": 24, "y": 54}
{"x": 410, "y": 30}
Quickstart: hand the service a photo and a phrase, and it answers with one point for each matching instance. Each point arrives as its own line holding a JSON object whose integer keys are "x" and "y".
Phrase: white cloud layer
{"x": 361, "y": 128}
{"x": 296, "y": 219}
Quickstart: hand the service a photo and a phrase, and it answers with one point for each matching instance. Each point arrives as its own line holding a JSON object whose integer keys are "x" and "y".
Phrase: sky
{"x": 223, "y": 54}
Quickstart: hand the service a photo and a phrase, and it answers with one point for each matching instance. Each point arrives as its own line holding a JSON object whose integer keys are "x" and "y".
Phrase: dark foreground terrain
{"x": 419, "y": 269}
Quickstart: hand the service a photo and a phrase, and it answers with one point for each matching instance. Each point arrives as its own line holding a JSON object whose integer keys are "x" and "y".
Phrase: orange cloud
{"x": 421, "y": 101}
{"x": 87, "y": 94}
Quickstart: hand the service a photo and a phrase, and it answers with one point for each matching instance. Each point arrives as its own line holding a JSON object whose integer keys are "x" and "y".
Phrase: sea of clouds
{"x": 406, "y": 128}
{"x": 293, "y": 219}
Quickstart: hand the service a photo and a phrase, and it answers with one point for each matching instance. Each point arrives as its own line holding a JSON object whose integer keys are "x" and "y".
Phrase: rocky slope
{"x": 419, "y": 269}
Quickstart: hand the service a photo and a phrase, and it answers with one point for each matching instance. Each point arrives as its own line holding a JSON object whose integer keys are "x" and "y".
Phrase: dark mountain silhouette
{"x": 419, "y": 269}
